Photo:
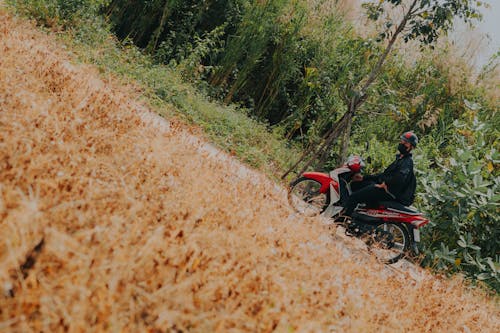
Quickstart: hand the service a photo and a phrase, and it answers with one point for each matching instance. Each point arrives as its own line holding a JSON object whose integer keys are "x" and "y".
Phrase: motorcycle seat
{"x": 399, "y": 207}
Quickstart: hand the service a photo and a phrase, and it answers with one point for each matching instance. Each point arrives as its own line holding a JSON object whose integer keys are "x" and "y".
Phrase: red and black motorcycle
{"x": 390, "y": 229}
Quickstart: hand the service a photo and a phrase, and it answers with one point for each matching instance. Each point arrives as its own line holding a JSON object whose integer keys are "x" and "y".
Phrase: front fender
{"x": 322, "y": 178}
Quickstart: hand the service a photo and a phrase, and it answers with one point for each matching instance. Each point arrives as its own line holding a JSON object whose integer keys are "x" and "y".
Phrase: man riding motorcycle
{"x": 396, "y": 183}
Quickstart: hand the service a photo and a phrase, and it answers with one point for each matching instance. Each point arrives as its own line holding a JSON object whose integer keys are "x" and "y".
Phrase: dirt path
{"x": 112, "y": 219}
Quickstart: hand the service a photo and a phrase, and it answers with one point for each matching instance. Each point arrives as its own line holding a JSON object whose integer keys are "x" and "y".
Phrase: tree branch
{"x": 375, "y": 71}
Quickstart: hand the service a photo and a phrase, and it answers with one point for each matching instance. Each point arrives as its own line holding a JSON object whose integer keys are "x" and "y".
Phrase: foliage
{"x": 427, "y": 19}
{"x": 457, "y": 160}
{"x": 59, "y": 12}
{"x": 171, "y": 27}
{"x": 460, "y": 192}
{"x": 289, "y": 62}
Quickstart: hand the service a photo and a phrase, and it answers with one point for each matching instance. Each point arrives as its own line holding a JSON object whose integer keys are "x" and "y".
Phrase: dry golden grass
{"x": 143, "y": 230}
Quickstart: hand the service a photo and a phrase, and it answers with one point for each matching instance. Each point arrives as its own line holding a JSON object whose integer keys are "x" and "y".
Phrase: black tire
{"x": 389, "y": 242}
{"x": 305, "y": 198}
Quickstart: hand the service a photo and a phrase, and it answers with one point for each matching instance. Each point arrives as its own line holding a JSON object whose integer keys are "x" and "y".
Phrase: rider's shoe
{"x": 342, "y": 217}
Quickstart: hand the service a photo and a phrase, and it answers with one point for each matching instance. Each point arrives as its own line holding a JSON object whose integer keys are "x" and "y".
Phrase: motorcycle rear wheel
{"x": 389, "y": 242}
{"x": 306, "y": 199}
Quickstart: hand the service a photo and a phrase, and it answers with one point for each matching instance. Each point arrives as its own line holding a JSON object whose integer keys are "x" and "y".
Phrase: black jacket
{"x": 400, "y": 179}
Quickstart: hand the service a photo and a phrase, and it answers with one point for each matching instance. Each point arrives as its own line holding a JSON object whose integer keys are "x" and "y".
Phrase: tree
{"x": 411, "y": 20}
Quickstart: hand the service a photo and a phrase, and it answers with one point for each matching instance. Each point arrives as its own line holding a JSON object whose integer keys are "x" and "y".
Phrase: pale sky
{"x": 486, "y": 33}
{"x": 477, "y": 45}
{"x": 491, "y": 25}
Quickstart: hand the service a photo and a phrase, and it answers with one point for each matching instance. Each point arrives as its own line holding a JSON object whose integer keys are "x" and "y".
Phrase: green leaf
{"x": 484, "y": 276}
{"x": 461, "y": 242}
{"x": 468, "y": 258}
{"x": 474, "y": 247}
{"x": 495, "y": 267}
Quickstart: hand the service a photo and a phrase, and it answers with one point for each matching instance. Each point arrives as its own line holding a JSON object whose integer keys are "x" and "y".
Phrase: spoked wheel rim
{"x": 389, "y": 242}
{"x": 305, "y": 197}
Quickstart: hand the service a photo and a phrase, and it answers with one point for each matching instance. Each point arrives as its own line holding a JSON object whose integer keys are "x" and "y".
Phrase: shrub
{"x": 460, "y": 195}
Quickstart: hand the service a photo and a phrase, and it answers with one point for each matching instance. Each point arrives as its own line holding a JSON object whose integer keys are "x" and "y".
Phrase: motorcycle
{"x": 389, "y": 229}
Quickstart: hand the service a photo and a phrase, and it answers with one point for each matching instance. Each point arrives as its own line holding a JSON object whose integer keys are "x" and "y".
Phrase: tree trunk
{"x": 354, "y": 104}
{"x": 319, "y": 148}
{"x": 159, "y": 30}
{"x": 345, "y": 141}
{"x": 376, "y": 70}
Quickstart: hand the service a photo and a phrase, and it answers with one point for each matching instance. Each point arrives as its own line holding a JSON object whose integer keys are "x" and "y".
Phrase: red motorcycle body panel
{"x": 322, "y": 178}
{"x": 388, "y": 215}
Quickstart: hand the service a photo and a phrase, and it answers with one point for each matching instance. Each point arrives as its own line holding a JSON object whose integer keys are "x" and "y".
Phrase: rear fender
{"x": 419, "y": 222}
{"x": 324, "y": 179}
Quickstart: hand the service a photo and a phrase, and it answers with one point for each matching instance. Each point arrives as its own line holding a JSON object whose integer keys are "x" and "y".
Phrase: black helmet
{"x": 410, "y": 137}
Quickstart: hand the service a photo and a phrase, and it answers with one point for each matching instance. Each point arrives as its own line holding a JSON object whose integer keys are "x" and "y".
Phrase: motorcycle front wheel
{"x": 389, "y": 242}
{"x": 305, "y": 198}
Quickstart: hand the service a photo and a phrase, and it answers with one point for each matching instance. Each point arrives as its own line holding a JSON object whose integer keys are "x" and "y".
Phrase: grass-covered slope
{"x": 112, "y": 223}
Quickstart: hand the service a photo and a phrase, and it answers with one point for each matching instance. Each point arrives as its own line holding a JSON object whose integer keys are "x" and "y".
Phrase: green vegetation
{"x": 280, "y": 74}
{"x": 64, "y": 13}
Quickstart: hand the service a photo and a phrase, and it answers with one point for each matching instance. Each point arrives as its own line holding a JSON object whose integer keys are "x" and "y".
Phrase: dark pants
{"x": 369, "y": 195}
{"x": 344, "y": 180}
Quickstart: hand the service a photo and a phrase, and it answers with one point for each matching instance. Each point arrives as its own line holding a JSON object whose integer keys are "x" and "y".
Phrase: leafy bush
{"x": 460, "y": 193}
